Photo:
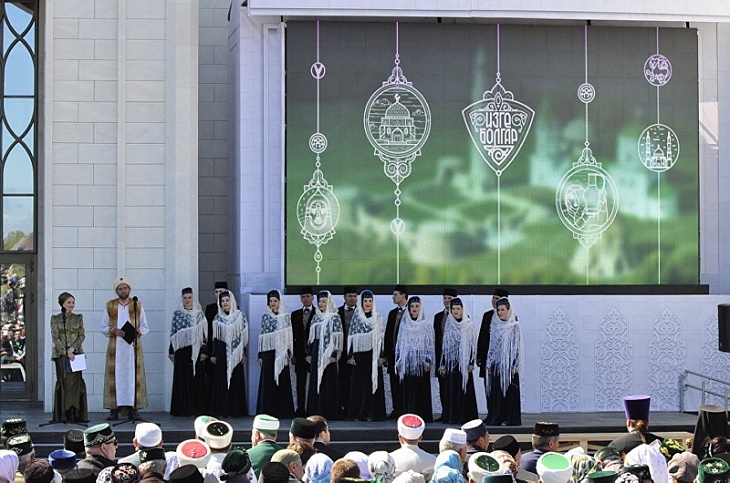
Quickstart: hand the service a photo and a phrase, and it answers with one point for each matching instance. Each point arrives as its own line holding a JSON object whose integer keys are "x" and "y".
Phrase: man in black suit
{"x": 210, "y": 312}
{"x": 400, "y": 298}
{"x": 300, "y": 320}
{"x": 346, "y": 311}
{"x": 439, "y": 321}
{"x": 483, "y": 341}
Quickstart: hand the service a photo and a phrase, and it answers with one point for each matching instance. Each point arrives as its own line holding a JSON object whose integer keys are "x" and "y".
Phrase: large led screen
{"x": 468, "y": 154}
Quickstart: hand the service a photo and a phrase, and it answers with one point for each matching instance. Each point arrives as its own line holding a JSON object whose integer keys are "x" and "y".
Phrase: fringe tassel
{"x": 282, "y": 342}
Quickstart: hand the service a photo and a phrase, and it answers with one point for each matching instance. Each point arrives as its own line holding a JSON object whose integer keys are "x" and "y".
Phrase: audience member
{"x": 545, "y": 439}
{"x": 344, "y": 468}
{"x": 410, "y": 456}
{"x": 293, "y": 463}
{"x": 323, "y": 438}
{"x": 101, "y": 448}
{"x": 263, "y": 441}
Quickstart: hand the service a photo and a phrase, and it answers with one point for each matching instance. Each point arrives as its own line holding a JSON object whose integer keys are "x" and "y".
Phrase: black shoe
{"x": 113, "y": 415}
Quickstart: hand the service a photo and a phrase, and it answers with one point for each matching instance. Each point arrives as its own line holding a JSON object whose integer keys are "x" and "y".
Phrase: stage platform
{"x": 589, "y": 430}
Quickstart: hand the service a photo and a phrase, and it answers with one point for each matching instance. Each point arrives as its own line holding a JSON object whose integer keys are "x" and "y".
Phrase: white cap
{"x": 193, "y": 452}
{"x": 411, "y": 426}
{"x": 482, "y": 464}
{"x": 200, "y": 423}
{"x": 148, "y": 435}
{"x": 454, "y": 435}
{"x": 218, "y": 434}
{"x": 554, "y": 468}
{"x": 266, "y": 424}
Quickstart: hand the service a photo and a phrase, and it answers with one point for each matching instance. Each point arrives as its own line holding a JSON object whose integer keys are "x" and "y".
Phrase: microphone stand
{"x": 133, "y": 416}
{"x": 61, "y": 367}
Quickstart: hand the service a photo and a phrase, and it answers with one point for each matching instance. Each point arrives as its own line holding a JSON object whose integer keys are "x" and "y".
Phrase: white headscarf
{"x": 366, "y": 333}
{"x": 231, "y": 328}
{"x": 459, "y": 345}
{"x": 276, "y": 334}
{"x": 414, "y": 349}
{"x": 506, "y": 347}
{"x": 646, "y": 454}
{"x": 8, "y": 465}
{"x": 327, "y": 328}
{"x": 189, "y": 328}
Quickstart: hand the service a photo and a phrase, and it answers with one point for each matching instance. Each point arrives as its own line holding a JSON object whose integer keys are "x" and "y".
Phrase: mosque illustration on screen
{"x": 397, "y": 126}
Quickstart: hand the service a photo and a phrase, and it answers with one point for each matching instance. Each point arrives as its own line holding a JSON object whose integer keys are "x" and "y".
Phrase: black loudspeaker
{"x": 723, "y": 327}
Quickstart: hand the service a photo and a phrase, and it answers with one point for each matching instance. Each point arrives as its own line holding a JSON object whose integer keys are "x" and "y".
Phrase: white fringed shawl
{"x": 189, "y": 328}
{"x": 232, "y": 329}
{"x": 506, "y": 348}
{"x": 327, "y": 328}
{"x": 459, "y": 346}
{"x": 276, "y": 334}
{"x": 366, "y": 333}
{"x": 415, "y": 346}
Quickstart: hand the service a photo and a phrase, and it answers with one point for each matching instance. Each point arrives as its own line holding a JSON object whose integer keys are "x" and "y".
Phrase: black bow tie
{"x": 349, "y": 308}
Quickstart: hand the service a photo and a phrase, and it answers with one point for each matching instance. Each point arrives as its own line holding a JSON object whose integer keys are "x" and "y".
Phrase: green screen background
{"x": 449, "y": 200}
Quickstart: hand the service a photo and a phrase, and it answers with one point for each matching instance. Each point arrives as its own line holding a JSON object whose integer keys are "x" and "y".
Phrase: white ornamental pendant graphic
{"x": 587, "y": 199}
{"x": 318, "y": 210}
{"x": 498, "y": 126}
{"x": 397, "y": 122}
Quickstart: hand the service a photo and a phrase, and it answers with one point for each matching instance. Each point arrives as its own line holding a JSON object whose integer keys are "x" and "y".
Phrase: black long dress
{"x": 325, "y": 400}
{"x": 416, "y": 392}
{"x": 505, "y": 408}
{"x": 228, "y": 402}
{"x": 274, "y": 399}
{"x": 364, "y": 404}
{"x": 186, "y": 391}
{"x": 458, "y": 406}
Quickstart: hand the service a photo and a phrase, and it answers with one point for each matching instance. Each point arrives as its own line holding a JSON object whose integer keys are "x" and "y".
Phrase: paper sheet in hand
{"x": 129, "y": 332}
{"x": 79, "y": 363}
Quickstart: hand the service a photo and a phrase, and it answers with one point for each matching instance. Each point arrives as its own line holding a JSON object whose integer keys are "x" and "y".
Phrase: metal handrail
{"x": 683, "y": 385}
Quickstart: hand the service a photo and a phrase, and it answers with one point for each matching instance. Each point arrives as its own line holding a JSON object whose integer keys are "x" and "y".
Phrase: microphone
{"x": 134, "y": 299}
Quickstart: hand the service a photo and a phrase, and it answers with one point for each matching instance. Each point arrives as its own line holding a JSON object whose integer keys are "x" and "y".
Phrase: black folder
{"x": 130, "y": 333}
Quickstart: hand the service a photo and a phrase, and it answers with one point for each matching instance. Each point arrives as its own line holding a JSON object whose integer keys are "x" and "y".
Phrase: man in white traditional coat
{"x": 124, "y": 323}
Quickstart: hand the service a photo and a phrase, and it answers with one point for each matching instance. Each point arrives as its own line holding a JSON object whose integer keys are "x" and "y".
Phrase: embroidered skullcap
{"x": 474, "y": 429}
{"x": 400, "y": 288}
{"x": 105, "y": 475}
{"x": 187, "y": 290}
{"x": 285, "y": 456}
{"x": 670, "y": 447}
{"x": 73, "y": 440}
{"x": 318, "y": 468}
{"x": 683, "y": 466}
{"x": 218, "y": 434}
{"x": 21, "y": 444}
{"x": 448, "y": 458}
{"x": 62, "y": 459}
{"x": 637, "y": 407}
{"x": 602, "y": 477}
{"x": 546, "y": 429}
{"x": 236, "y": 461}
{"x": 507, "y": 443}
{"x": 11, "y": 427}
{"x": 152, "y": 454}
{"x": 361, "y": 459}
{"x": 148, "y": 435}
{"x": 456, "y": 436}
{"x": 482, "y": 464}
{"x": 303, "y": 428}
{"x": 223, "y": 285}
{"x": 84, "y": 475}
{"x": 186, "y": 473}
{"x": 503, "y": 478}
{"x": 382, "y": 466}
{"x": 500, "y": 292}
{"x": 193, "y": 452}
{"x": 606, "y": 452}
{"x": 122, "y": 280}
{"x": 38, "y": 471}
{"x": 266, "y": 424}
{"x": 125, "y": 473}
{"x": 200, "y": 423}
{"x": 98, "y": 435}
{"x": 411, "y": 426}
{"x": 306, "y": 290}
{"x": 349, "y": 289}
{"x": 554, "y": 468}
{"x": 450, "y": 291}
